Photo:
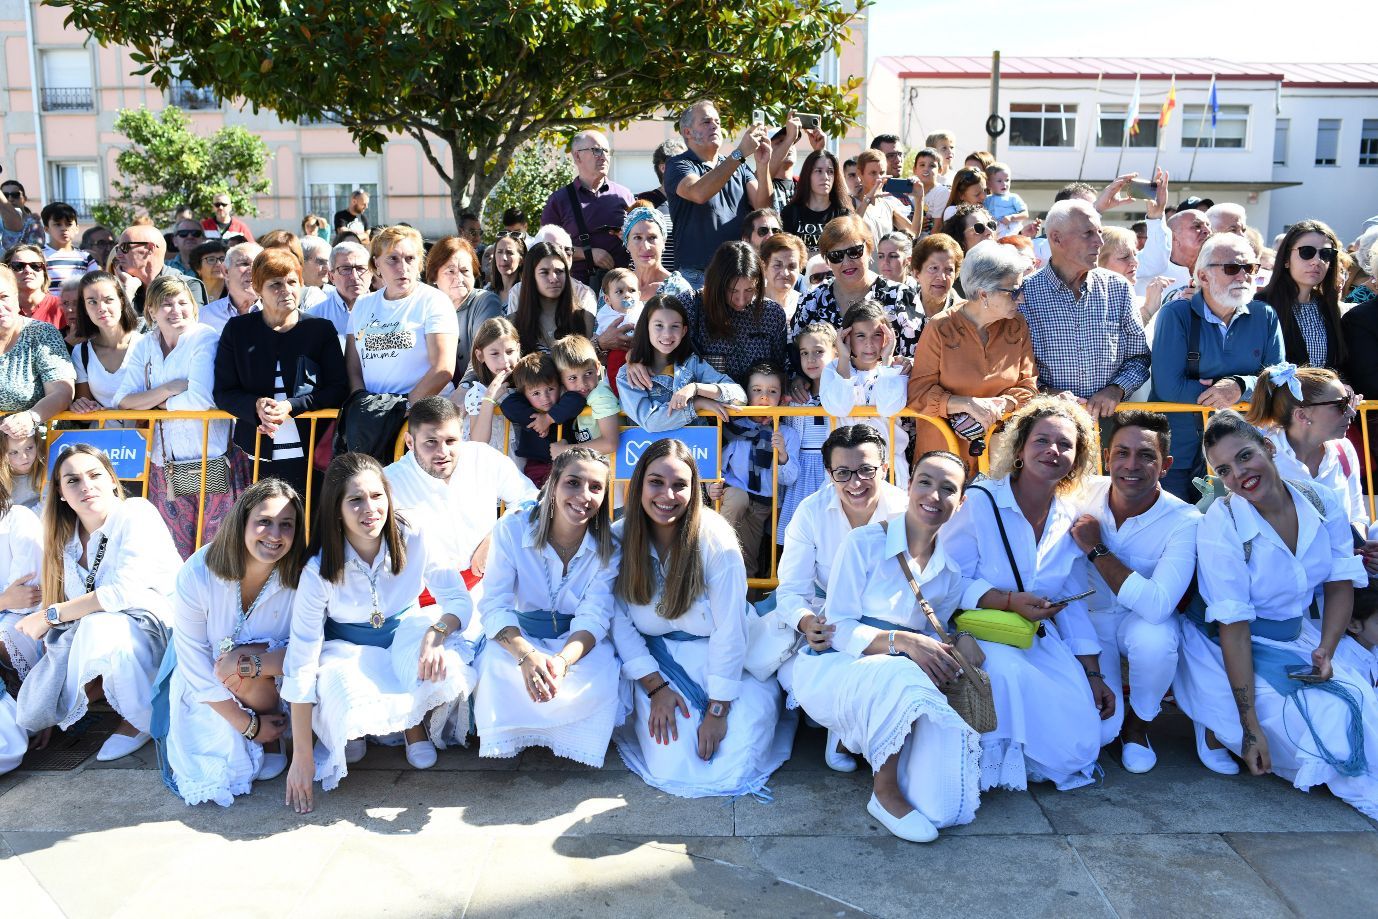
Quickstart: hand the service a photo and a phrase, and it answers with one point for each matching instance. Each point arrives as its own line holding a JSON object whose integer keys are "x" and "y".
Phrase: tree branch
{"x": 419, "y": 132}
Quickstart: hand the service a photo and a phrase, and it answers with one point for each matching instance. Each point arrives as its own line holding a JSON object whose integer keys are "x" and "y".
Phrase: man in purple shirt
{"x": 601, "y": 204}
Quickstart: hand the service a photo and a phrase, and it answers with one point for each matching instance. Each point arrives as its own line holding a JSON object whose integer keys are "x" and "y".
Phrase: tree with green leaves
{"x": 167, "y": 165}
{"x": 539, "y": 168}
{"x": 472, "y": 80}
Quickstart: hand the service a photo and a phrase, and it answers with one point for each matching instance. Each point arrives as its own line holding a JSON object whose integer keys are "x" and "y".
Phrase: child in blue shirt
{"x": 1008, "y": 209}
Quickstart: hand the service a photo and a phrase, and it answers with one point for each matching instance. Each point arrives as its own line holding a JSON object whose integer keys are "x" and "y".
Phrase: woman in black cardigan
{"x": 276, "y": 363}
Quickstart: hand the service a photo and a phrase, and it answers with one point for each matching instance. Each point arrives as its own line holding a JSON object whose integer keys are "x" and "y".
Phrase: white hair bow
{"x": 1285, "y": 374}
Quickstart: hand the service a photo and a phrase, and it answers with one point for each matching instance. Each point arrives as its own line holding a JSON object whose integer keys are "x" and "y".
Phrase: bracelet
{"x": 564, "y": 660}
{"x": 657, "y": 689}
{"x": 258, "y": 665}
{"x": 1094, "y": 673}
{"x": 961, "y": 634}
{"x": 1009, "y": 600}
{"x": 522, "y": 660}
{"x": 251, "y": 731}
{"x": 893, "y": 652}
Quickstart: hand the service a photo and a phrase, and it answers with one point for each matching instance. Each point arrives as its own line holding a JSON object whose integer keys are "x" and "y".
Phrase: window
{"x": 1328, "y": 142}
{"x": 77, "y": 184}
{"x": 185, "y": 95}
{"x": 331, "y": 180}
{"x": 1112, "y": 128}
{"x": 1280, "y": 142}
{"x": 1231, "y": 131}
{"x": 1368, "y": 143}
{"x": 825, "y": 71}
{"x": 1047, "y": 124}
{"x": 67, "y": 80}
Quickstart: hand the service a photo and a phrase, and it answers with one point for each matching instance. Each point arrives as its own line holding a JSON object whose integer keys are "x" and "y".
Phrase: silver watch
{"x": 738, "y": 155}
{"x": 50, "y": 614}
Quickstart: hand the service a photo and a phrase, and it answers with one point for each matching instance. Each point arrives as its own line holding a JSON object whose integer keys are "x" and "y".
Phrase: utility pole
{"x": 994, "y": 97}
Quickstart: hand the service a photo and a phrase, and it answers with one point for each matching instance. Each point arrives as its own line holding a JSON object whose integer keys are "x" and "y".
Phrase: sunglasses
{"x": 1233, "y": 268}
{"x": 843, "y": 475}
{"x": 1327, "y": 253}
{"x": 1014, "y": 292}
{"x": 17, "y": 267}
{"x": 983, "y": 228}
{"x": 221, "y": 204}
{"x": 126, "y": 248}
{"x": 511, "y": 234}
{"x": 1346, "y": 404}
{"x": 189, "y": 234}
{"x": 818, "y": 277}
{"x": 763, "y": 232}
{"x": 14, "y": 195}
{"x": 836, "y": 256}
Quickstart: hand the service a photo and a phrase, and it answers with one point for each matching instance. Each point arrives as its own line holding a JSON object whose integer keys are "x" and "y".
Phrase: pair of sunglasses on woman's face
{"x": 1327, "y": 253}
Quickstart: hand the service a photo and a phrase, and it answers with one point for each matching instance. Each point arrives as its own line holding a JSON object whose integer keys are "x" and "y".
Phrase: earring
{"x": 1018, "y": 464}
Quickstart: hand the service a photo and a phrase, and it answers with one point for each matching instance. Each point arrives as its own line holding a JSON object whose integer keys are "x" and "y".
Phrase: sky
{"x": 1264, "y": 31}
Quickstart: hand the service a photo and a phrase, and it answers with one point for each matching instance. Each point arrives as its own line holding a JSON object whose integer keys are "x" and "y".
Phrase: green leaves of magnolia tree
{"x": 539, "y": 168}
{"x": 472, "y": 80}
{"x": 167, "y": 165}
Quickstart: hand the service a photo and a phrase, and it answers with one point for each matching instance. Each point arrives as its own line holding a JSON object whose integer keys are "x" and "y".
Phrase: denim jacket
{"x": 650, "y": 409}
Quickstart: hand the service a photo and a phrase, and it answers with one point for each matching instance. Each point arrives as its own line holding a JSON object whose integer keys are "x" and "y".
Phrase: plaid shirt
{"x": 1085, "y": 343}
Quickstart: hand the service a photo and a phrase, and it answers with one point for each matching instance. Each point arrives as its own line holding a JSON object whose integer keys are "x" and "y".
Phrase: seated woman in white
{"x": 232, "y": 616}
{"x": 1049, "y": 699}
{"x": 21, "y": 548}
{"x": 680, "y": 629}
{"x": 854, "y": 457}
{"x": 108, "y": 570}
{"x": 1267, "y": 552}
{"x": 363, "y": 657}
{"x": 547, "y": 673}
{"x": 879, "y": 693}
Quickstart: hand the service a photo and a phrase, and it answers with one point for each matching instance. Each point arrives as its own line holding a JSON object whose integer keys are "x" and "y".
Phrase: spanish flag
{"x": 1169, "y": 104}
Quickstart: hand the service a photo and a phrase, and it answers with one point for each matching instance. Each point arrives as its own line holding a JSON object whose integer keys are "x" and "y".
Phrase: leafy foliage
{"x": 472, "y": 80}
{"x": 538, "y": 168}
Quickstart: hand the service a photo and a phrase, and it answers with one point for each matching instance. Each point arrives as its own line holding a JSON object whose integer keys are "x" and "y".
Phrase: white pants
{"x": 1151, "y": 648}
{"x": 14, "y": 740}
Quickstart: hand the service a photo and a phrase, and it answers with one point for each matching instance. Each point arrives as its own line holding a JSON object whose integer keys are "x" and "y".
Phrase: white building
{"x": 1290, "y": 140}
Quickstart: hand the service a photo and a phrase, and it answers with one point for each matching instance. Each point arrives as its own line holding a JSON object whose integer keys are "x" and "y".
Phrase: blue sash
{"x": 362, "y": 633}
{"x": 874, "y": 623}
{"x": 161, "y": 721}
{"x": 672, "y": 671}
{"x": 544, "y": 623}
{"x": 1271, "y": 664}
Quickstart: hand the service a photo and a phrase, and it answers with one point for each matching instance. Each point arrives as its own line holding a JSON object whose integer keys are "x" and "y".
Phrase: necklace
{"x": 550, "y": 587}
{"x": 228, "y": 644}
{"x": 376, "y": 618}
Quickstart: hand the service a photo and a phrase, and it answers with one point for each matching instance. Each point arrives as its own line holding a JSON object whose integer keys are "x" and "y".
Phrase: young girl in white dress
{"x": 1268, "y": 554}
{"x": 21, "y": 549}
{"x": 547, "y": 672}
{"x": 680, "y": 630}
{"x": 232, "y": 617}
{"x": 1049, "y": 699}
{"x": 364, "y": 659}
{"x": 108, "y": 570}
{"x": 866, "y": 373}
{"x": 879, "y": 692}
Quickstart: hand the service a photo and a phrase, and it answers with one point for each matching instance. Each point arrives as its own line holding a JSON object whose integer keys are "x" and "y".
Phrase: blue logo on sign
{"x": 127, "y": 448}
{"x": 702, "y": 442}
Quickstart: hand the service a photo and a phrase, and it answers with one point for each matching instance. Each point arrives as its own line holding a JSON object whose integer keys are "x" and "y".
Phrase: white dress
{"x": 879, "y": 705}
{"x": 760, "y": 733}
{"x": 210, "y": 760}
{"x": 1140, "y": 621}
{"x": 1356, "y": 657}
{"x": 21, "y": 551}
{"x": 136, "y": 575}
{"x": 362, "y": 690}
{"x": 1277, "y": 585}
{"x": 885, "y": 388}
{"x": 1049, "y": 728}
{"x": 577, "y": 724}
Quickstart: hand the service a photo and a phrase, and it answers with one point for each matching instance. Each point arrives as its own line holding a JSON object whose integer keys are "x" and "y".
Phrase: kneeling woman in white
{"x": 232, "y": 616}
{"x": 1266, "y": 553}
{"x": 363, "y": 658}
{"x": 680, "y": 628}
{"x": 879, "y": 692}
{"x": 21, "y": 548}
{"x": 1012, "y": 540}
{"x": 547, "y": 673}
{"x": 109, "y": 566}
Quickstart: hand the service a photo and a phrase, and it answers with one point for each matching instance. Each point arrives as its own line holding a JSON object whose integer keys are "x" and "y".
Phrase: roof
{"x": 1323, "y": 75}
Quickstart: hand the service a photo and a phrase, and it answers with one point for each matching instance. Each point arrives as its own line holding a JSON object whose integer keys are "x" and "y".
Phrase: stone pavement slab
{"x": 1316, "y": 874}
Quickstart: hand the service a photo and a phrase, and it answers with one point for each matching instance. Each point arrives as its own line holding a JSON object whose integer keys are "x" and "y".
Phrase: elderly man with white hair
{"x": 350, "y": 275}
{"x": 1172, "y": 244}
{"x": 315, "y": 265}
{"x": 1227, "y": 217}
{"x": 1087, "y": 338}
{"x": 1208, "y": 350}
{"x": 240, "y": 297}
{"x": 591, "y": 209}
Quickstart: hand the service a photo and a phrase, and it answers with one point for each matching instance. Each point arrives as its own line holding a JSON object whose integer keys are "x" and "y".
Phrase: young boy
{"x": 1358, "y": 647}
{"x": 64, "y": 259}
{"x": 621, "y": 300}
{"x": 1008, "y": 209}
{"x": 577, "y": 362}
{"x": 752, "y": 448}
{"x": 535, "y": 406}
{"x": 935, "y": 193}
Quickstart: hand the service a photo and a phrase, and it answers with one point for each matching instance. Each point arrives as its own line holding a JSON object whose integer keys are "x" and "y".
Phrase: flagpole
{"x": 1200, "y": 129}
{"x": 1095, "y": 108}
{"x": 1164, "y": 116}
{"x": 1131, "y": 117}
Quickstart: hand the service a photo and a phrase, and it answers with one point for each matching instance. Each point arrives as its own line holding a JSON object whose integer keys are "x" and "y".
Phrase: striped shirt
{"x": 63, "y": 264}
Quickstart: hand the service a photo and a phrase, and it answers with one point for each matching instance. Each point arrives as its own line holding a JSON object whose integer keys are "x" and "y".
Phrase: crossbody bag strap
{"x": 585, "y": 238}
{"x": 918, "y": 592}
{"x": 1004, "y": 537}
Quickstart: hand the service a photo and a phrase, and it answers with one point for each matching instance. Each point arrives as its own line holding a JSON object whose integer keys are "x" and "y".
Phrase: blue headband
{"x": 638, "y": 214}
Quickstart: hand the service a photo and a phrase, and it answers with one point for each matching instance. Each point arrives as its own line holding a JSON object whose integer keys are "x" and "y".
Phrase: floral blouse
{"x": 901, "y": 304}
{"x": 38, "y": 356}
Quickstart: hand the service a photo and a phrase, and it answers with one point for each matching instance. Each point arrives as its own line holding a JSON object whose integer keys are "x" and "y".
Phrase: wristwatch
{"x": 50, "y": 614}
{"x": 1096, "y": 552}
{"x": 717, "y": 709}
{"x": 738, "y": 155}
{"x": 440, "y": 627}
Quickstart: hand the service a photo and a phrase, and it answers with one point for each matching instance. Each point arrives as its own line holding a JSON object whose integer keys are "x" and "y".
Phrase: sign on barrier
{"x": 702, "y": 442}
{"x": 126, "y": 447}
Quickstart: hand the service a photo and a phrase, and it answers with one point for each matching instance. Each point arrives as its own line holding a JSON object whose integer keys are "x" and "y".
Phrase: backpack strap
{"x": 1193, "y": 344}
{"x": 1248, "y": 543}
{"x": 1310, "y": 494}
{"x": 1343, "y": 457}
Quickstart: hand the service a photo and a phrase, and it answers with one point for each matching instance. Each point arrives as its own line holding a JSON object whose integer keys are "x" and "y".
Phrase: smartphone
{"x": 1148, "y": 191}
{"x": 1081, "y": 596}
{"x": 758, "y": 117}
{"x": 810, "y": 122}
{"x": 899, "y": 186}
{"x": 1303, "y": 673}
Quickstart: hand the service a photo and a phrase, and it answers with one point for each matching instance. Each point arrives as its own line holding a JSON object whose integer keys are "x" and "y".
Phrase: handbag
{"x": 184, "y": 478}
{"x": 998, "y": 625}
{"x": 769, "y": 641}
{"x": 968, "y": 693}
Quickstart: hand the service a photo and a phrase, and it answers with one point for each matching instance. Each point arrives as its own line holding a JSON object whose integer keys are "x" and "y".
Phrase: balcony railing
{"x": 82, "y": 206}
{"x": 192, "y": 98}
{"x": 68, "y": 99}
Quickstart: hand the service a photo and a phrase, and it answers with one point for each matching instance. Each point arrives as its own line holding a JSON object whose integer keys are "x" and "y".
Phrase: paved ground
{"x": 537, "y": 836}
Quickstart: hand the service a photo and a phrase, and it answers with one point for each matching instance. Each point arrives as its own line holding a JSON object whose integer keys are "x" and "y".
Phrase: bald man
{"x": 591, "y": 209}
{"x": 142, "y": 256}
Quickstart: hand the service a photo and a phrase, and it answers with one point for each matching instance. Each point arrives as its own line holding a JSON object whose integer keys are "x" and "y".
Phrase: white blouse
{"x": 1338, "y": 455}
{"x": 206, "y": 610}
{"x": 719, "y": 613}
{"x": 1275, "y": 583}
{"x": 138, "y": 568}
{"x": 351, "y": 602}
{"x": 21, "y": 547}
{"x": 1159, "y": 545}
{"x": 191, "y": 359}
{"x": 1049, "y": 566}
{"x": 884, "y": 387}
{"x": 520, "y": 578}
{"x": 813, "y": 539}
{"x": 103, "y": 384}
{"x": 867, "y": 582}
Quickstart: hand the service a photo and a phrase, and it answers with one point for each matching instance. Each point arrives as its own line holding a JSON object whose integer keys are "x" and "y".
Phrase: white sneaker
{"x": 835, "y": 759}
{"x": 1138, "y": 758}
{"x": 273, "y": 765}
{"x": 912, "y": 827}
{"x": 421, "y": 754}
{"x": 1215, "y": 760}
{"x": 355, "y": 750}
{"x": 118, "y": 746}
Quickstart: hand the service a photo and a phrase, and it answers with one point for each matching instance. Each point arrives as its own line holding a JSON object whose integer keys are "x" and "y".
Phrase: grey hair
{"x": 71, "y": 282}
{"x": 1366, "y": 250}
{"x": 314, "y": 245}
{"x": 245, "y": 251}
{"x": 553, "y": 234}
{"x": 1061, "y": 213}
{"x": 989, "y": 264}
{"x": 1224, "y": 209}
{"x": 348, "y": 247}
{"x": 901, "y": 239}
{"x": 686, "y": 117}
{"x": 1215, "y": 241}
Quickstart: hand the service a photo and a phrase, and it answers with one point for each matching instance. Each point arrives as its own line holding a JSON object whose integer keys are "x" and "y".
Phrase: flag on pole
{"x": 1131, "y": 117}
{"x": 1214, "y": 104}
{"x": 1169, "y": 104}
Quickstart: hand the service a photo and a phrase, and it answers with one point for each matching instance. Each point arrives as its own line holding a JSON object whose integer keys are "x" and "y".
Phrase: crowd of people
{"x": 416, "y": 614}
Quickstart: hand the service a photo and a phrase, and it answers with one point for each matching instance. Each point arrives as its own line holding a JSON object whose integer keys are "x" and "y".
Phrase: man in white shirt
{"x": 1140, "y": 542}
{"x": 1172, "y": 244}
{"x": 350, "y": 277}
{"x": 451, "y": 488}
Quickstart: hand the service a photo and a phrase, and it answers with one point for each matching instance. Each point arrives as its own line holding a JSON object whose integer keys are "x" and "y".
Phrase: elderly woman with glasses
{"x": 36, "y": 301}
{"x": 969, "y": 224}
{"x": 975, "y": 361}
{"x": 1305, "y": 293}
{"x": 208, "y": 263}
